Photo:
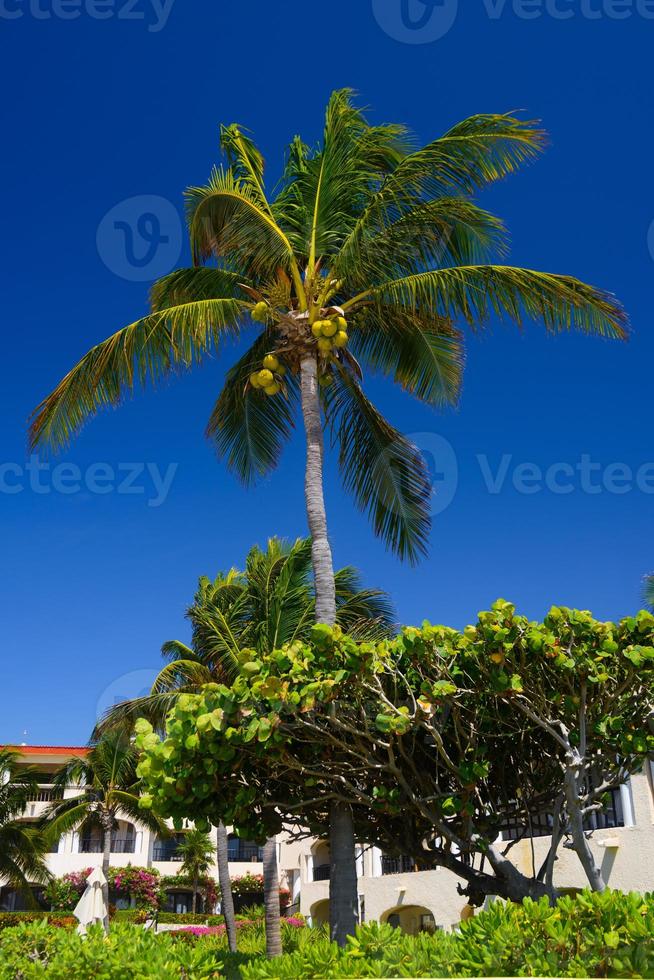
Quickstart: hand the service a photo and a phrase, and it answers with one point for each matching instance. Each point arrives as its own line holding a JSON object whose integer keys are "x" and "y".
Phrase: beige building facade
{"x": 389, "y": 889}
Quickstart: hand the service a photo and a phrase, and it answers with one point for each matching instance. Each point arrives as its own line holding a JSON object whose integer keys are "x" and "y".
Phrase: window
{"x": 243, "y": 850}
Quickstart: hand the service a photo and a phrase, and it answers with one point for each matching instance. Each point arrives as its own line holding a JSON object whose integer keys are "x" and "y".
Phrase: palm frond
{"x": 421, "y": 353}
{"x": 245, "y": 161}
{"x": 227, "y": 221}
{"x": 381, "y": 468}
{"x": 474, "y": 153}
{"x": 648, "y": 591}
{"x": 475, "y": 292}
{"x": 195, "y": 285}
{"x": 248, "y": 429}
{"x": 145, "y": 351}
{"x": 444, "y": 232}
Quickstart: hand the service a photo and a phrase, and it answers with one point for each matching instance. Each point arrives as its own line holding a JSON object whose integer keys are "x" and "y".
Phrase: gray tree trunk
{"x": 343, "y": 899}
{"x": 576, "y": 824}
{"x": 271, "y": 899}
{"x": 343, "y": 892}
{"x": 321, "y": 553}
{"x": 107, "y": 827}
{"x": 226, "y": 897}
{"x": 194, "y": 906}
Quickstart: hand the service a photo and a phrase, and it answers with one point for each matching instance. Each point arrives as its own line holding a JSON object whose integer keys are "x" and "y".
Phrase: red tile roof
{"x": 47, "y": 749}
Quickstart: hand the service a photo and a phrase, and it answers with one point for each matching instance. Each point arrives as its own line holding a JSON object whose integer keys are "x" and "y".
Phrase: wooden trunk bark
{"x": 226, "y": 897}
{"x": 343, "y": 899}
{"x": 271, "y": 899}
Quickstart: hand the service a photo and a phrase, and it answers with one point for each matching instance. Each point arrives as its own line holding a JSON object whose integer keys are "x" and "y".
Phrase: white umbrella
{"x": 91, "y": 908}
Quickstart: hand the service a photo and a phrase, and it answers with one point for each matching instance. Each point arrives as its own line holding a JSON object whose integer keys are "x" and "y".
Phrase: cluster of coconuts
{"x": 330, "y": 333}
{"x": 268, "y": 377}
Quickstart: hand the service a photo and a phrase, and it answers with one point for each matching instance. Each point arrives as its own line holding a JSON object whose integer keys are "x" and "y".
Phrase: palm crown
{"x": 370, "y": 255}
{"x": 269, "y": 604}
{"x": 22, "y": 848}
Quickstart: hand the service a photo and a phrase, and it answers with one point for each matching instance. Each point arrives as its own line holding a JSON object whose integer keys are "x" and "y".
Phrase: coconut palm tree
{"x": 108, "y": 786}
{"x": 22, "y": 847}
{"x": 270, "y": 603}
{"x": 370, "y": 255}
{"x": 196, "y": 851}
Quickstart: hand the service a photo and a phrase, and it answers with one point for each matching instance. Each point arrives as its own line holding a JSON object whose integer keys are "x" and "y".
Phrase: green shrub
{"x": 190, "y": 918}
{"x": 35, "y": 949}
{"x": 9, "y": 919}
{"x": 590, "y": 935}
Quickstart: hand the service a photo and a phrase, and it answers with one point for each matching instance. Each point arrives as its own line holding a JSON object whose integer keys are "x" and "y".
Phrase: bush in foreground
{"x": 591, "y": 935}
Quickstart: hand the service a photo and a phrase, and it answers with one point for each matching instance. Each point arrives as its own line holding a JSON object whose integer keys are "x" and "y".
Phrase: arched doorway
{"x": 411, "y": 919}
{"x": 320, "y": 913}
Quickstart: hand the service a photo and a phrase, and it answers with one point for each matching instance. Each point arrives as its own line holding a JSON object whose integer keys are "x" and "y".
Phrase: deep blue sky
{"x": 98, "y": 111}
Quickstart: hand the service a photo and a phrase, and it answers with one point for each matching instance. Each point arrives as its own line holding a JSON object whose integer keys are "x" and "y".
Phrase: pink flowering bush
{"x": 141, "y": 884}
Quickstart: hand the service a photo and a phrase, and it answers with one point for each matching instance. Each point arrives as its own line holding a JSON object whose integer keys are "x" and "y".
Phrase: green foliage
{"x": 22, "y": 847}
{"x": 10, "y": 919}
{"x": 476, "y": 716}
{"x": 592, "y": 935}
{"x": 36, "y": 949}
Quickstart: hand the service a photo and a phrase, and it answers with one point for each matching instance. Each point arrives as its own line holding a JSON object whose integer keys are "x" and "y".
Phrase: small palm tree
{"x": 197, "y": 855}
{"x": 22, "y": 847}
{"x": 269, "y": 604}
{"x": 107, "y": 786}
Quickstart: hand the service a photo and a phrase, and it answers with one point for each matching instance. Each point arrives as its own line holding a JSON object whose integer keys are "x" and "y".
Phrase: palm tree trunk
{"x": 321, "y": 553}
{"x": 271, "y": 898}
{"x": 194, "y": 906}
{"x": 343, "y": 897}
{"x": 107, "y": 827}
{"x": 343, "y": 892}
{"x": 226, "y": 897}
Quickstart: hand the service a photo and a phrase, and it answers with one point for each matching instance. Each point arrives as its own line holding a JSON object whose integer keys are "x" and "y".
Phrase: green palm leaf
{"x": 381, "y": 468}
{"x": 147, "y": 350}
{"x": 474, "y": 153}
{"x": 420, "y": 353}
{"x": 247, "y": 428}
{"x": 474, "y": 292}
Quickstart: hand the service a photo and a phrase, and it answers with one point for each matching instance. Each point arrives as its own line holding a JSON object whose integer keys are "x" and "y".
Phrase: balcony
{"x": 397, "y": 865}
{"x": 321, "y": 872}
{"x": 167, "y": 851}
{"x": 243, "y": 850}
{"x": 45, "y": 794}
{"x": 119, "y": 845}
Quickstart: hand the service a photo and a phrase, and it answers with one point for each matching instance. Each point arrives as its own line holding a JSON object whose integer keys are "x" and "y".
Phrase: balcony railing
{"x": 45, "y": 794}
{"x": 541, "y": 823}
{"x": 321, "y": 872}
{"x": 166, "y": 851}
{"x": 119, "y": 845}
{"x": 397, "y": 865}
{"x": 243, "y": 850}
